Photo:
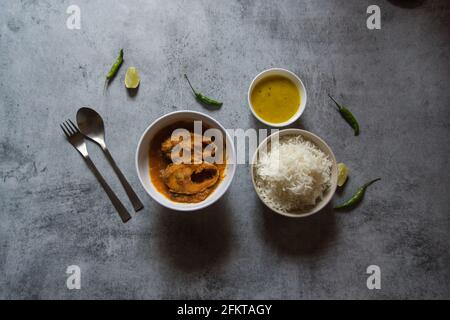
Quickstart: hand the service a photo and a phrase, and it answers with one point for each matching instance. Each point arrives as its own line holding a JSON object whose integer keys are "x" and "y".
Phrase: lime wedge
{"x": 342, "y": 174}
{"x": 132, "y": 78}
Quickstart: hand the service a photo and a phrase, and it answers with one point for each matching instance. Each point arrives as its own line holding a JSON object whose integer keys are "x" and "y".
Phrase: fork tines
{"x": 69, "y": 128}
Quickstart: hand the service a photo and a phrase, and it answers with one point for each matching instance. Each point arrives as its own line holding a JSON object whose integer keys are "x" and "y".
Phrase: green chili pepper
{"x": 348, "y": 116}
{"x": 357, "y": 197}
{"x": 115, "y": 67}
{"x": 203, "y": 98}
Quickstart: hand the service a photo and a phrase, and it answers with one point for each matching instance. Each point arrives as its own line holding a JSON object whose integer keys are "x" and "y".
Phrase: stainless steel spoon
{"x": 91, "y": 125}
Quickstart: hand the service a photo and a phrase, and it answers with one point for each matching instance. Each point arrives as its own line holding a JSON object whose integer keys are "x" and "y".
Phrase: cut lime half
{"x": 132, "y": 78}
{"x": 342, "y": 174}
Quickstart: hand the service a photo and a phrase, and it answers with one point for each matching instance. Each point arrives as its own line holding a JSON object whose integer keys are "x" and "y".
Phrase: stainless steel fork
{"x": 75, "y": 137}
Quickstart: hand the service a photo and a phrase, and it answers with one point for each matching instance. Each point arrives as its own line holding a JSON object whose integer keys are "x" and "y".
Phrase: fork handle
{"x": 123, "y": 212}
{"x": 137, "y": 204}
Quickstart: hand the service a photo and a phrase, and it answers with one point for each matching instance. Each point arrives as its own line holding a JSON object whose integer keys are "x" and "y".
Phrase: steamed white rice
{"x": 293, "y": 175}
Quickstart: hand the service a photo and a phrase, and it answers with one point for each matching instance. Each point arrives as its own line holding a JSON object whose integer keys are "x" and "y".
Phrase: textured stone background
{"x": 54, "y": 213}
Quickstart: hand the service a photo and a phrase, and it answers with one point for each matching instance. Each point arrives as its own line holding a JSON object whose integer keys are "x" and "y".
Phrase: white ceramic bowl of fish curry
{"x": 145, "y": 151}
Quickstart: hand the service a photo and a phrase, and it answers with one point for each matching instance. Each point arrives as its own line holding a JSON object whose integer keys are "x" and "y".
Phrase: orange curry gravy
{"x": 158, "y": 162}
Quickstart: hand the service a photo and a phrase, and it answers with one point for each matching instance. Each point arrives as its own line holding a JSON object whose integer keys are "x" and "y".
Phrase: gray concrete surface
{"x": 54, "y": 214}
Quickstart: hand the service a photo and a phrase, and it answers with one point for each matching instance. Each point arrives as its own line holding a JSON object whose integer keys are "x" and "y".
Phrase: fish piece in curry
{"x": 190, "y": 178}
{"x": 195, "y": 147}
{"x": 184, "y": 182}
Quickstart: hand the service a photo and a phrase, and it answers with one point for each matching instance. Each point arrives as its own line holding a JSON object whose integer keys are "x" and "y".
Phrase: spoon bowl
{"x": 91, "y": 125}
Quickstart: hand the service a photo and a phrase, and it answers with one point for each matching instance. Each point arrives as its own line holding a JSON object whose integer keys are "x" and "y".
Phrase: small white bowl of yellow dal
{"x": 277, "y": 97}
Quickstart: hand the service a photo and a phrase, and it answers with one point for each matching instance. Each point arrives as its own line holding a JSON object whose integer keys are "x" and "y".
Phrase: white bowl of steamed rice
{"x": 294, "y": 173}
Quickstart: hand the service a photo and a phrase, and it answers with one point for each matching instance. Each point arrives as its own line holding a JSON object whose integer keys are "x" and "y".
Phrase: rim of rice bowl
{"x": 322, "y": 146}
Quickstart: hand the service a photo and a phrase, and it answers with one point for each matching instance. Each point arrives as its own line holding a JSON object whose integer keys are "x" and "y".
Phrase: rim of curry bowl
{"x": 180, "y": 206}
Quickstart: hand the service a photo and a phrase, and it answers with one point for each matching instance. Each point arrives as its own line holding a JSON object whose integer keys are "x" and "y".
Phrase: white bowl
{"x": 322, "y": 146}
{"x": 291, "y": 76}
{"x": 142, "y": 159}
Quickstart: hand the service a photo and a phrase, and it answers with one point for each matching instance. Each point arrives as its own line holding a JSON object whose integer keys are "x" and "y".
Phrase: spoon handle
{"x": 137, "y": 204}
{"x": 123, "y": 212}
